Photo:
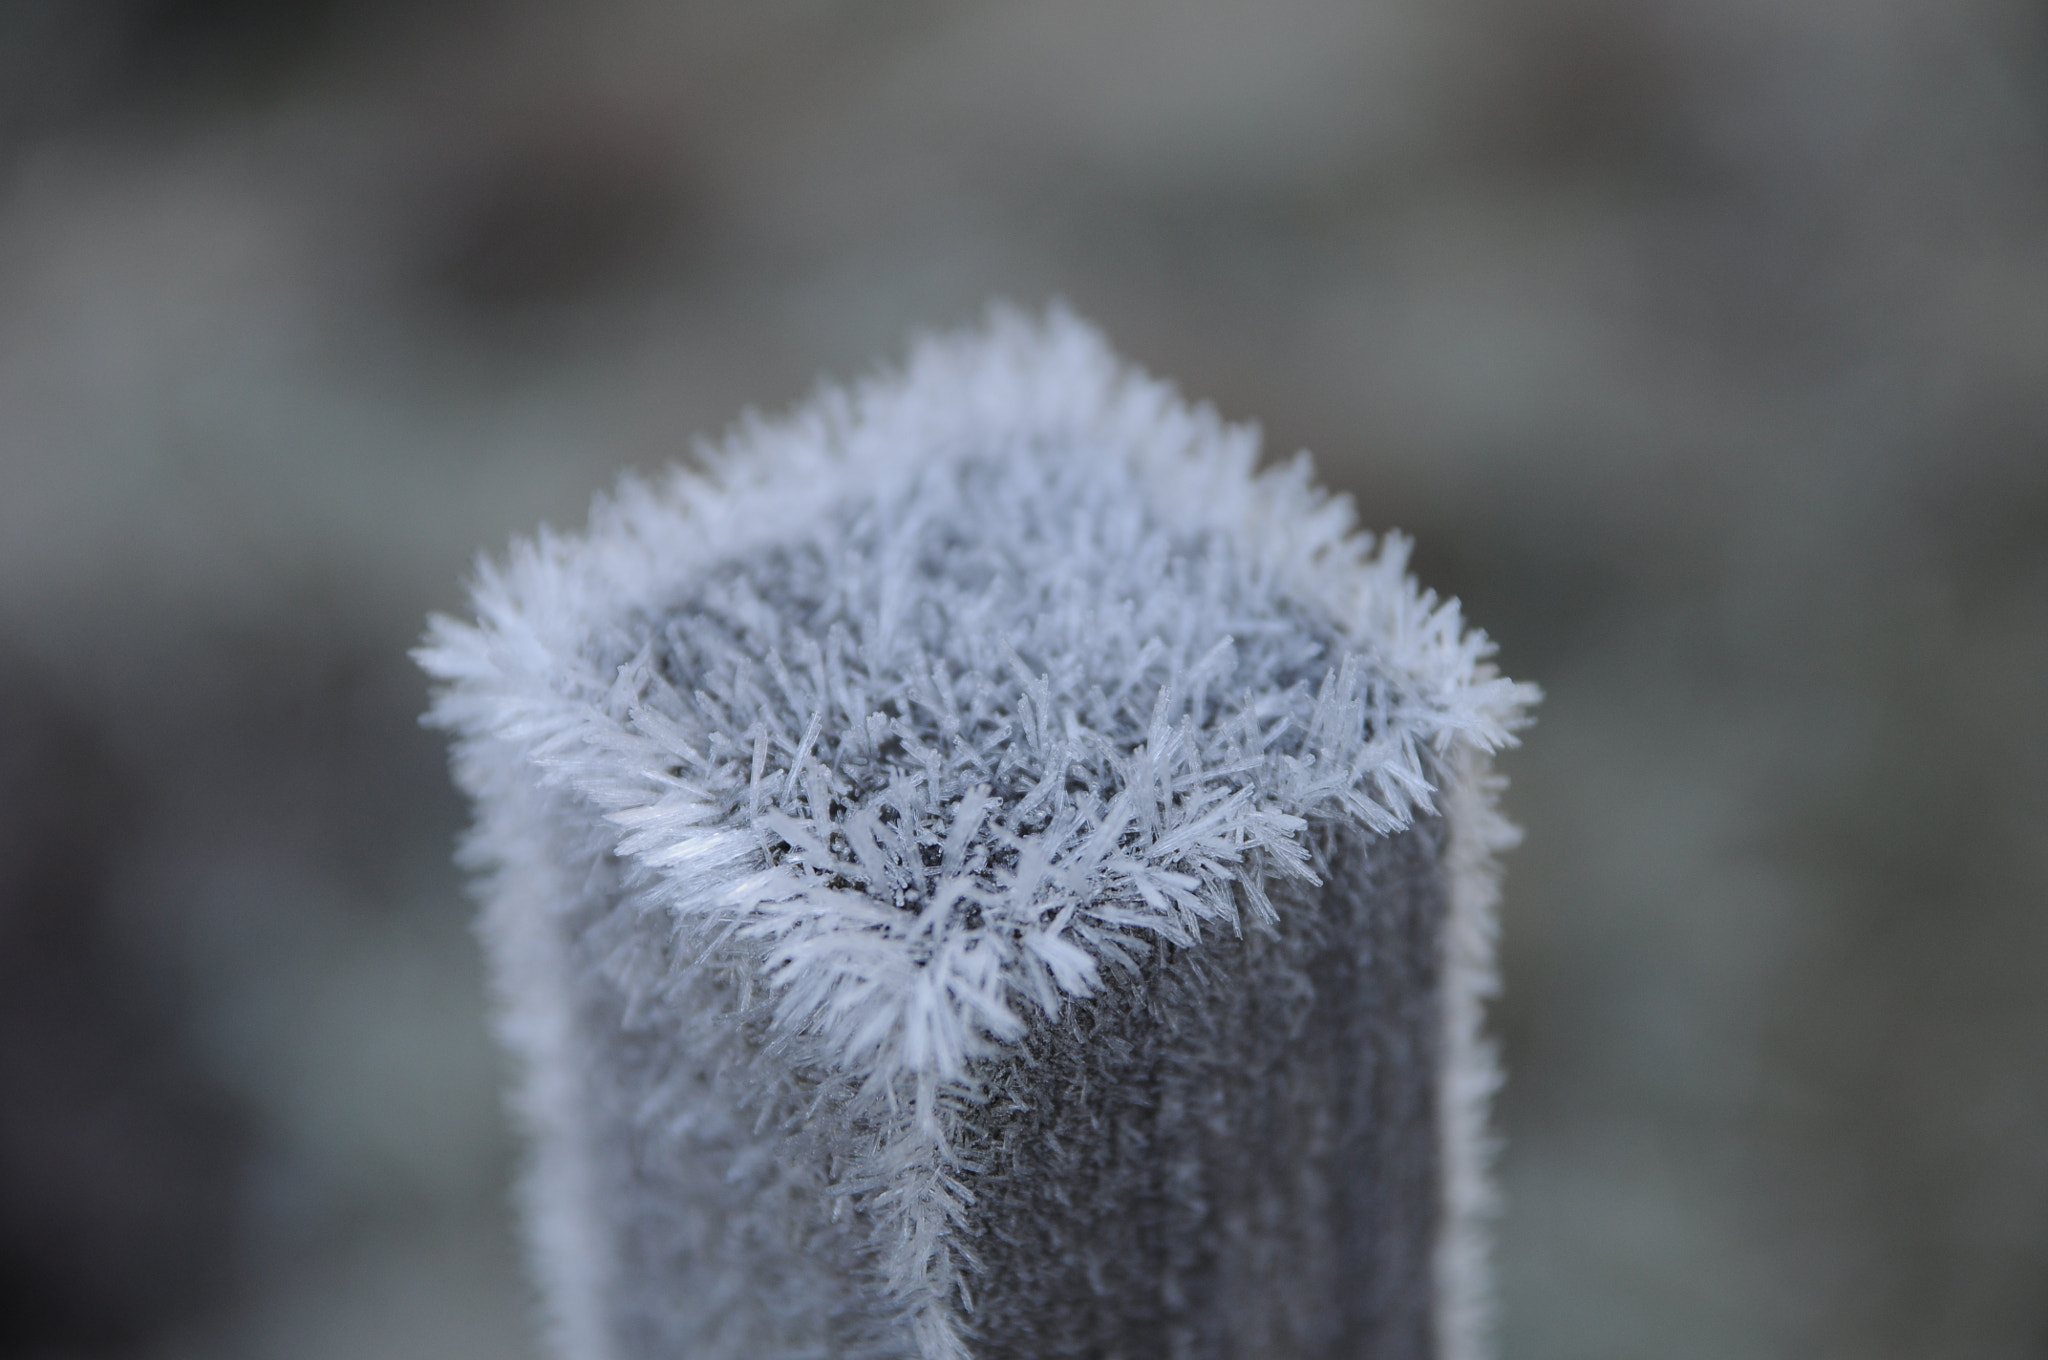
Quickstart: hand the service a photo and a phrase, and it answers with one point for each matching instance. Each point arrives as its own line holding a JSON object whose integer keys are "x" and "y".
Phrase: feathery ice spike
{"x": 977, "y": 870}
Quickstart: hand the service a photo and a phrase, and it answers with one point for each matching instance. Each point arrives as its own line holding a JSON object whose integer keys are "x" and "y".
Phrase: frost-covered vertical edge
{"x": 1471, "y": 1075}
{"x": 513, "y": 848}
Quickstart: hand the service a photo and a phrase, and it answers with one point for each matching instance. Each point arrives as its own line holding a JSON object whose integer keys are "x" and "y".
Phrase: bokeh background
{"x": 1703, "y": 344}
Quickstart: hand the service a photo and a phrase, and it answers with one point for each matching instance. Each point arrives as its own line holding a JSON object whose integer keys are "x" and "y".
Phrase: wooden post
{"x": 976, "y": 870}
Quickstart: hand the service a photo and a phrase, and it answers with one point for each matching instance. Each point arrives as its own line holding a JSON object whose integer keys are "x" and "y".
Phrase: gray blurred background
{"x": 1702, "y": 343}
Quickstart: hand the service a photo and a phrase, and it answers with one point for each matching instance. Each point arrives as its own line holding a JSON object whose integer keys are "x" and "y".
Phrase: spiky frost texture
{"x": 814, "y": 783}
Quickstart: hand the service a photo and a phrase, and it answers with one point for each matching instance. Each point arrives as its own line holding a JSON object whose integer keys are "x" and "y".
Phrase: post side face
{"x": 712, "y": 1172}
{"x": 1233, "y": 1152}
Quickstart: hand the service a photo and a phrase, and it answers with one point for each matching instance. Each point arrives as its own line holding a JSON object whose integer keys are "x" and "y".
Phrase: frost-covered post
{"x": 978, "y": 871}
